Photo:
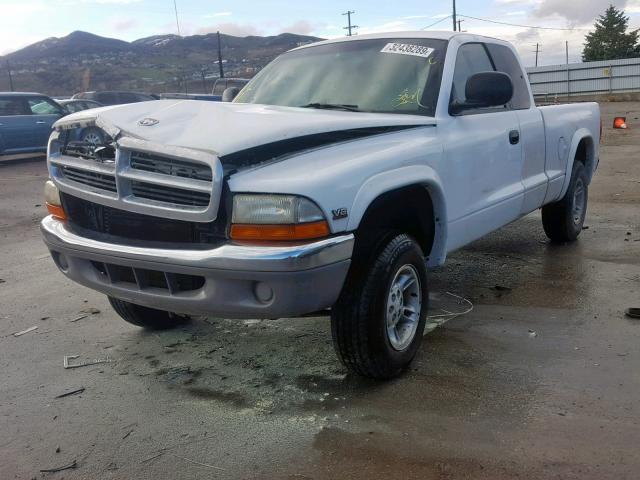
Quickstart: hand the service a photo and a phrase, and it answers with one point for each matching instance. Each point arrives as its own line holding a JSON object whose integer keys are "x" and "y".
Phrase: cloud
{"x": 575, "y": 12}
{"x": 123, "y": 24}
{"x": 301, "y": 27}
{"x": 231, "y": 28}
{"x": 218, "y": 14}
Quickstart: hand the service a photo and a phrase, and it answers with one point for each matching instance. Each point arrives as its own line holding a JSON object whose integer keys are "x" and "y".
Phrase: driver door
{"x": 482, "y": 168}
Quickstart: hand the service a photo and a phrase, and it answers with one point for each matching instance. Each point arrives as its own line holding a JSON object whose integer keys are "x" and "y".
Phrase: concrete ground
{"x": 540, "y": 380}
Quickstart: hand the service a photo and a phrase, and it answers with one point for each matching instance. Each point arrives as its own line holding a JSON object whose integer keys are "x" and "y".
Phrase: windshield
{"x": 382, "y": 75}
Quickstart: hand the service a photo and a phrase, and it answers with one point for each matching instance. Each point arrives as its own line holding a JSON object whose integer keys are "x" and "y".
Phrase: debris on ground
{"x": 30, "y": 329}
{"x": 632, "y": 312}
{"x": 196, "y": 463}
{"x": 73, "y": 464}
{"x": 72, "y": 392}
{"x": 83, "y": 364}
{"x": 86, "y": 312}
{"x": 434, "y": 321}
{"x": 2, "y": 280}
{"x": 501, "y": 288}
{"x": 532, "y": 333}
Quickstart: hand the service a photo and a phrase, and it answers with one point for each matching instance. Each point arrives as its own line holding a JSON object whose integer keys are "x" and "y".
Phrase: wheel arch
{"x": 583, "y": 149}
{"x": 377, "y": 200}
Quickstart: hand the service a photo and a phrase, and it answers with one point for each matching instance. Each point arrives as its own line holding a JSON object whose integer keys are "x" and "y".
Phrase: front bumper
{"x": 238, "y": 281}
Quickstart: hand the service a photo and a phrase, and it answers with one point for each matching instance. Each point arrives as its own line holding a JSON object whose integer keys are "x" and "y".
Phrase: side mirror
{"x": 230, "y": 93}
{"x": 485, "y": 89}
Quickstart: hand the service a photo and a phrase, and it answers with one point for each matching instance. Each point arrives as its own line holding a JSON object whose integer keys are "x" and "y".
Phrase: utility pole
{"x": 537, "y": 51}
{"x": 184, "y": 80}
{"x": 459, "y": 27}
{"x": 349, "y": 27}
{"x": 455, "y": 21}
{"x": 10, "y": 77}
{"x": 220, "y": 57}
{"x": 203, "y": 72}
{"x": 566, "y": 50}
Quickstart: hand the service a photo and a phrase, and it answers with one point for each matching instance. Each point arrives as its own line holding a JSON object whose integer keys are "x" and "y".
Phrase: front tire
{"x": 92, "y": 136}
{"x": 564, "y": 219}
{"x": 378, "y": 322}
{"x": 146, "y": 317}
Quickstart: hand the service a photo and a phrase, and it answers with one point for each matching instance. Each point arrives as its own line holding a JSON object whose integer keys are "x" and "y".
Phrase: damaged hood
{"x": 226, "y": 128}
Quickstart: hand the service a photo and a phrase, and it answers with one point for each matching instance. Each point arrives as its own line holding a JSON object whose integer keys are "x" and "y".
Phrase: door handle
{"x": 514, "y": 137}
{"x": 41, "y": 122}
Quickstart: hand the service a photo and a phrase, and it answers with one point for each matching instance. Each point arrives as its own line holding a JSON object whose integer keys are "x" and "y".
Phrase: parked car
{"x": 190, "y": 96}
{"x": 340, "y": 173}
{"x": 114, "y": 97}
{"x": 25, "y": 121}
{"x": 73, "y": 106}
{"x": 222, "y": 84}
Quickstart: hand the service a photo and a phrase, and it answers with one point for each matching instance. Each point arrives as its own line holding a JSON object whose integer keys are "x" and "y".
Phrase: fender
{"x": 578, "y": 136}
{"x": 385, "y": 182}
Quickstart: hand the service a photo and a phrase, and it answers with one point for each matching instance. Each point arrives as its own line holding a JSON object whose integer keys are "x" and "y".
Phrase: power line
{"x": 523, "y": 26}
{"x": 435, "y": 23}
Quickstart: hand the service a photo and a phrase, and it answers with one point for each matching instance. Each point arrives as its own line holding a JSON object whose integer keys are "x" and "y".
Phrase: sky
{"x": 23, "y": 22}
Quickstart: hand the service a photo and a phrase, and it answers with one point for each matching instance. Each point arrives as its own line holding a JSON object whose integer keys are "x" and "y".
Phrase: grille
{"x": 143, "y": 279}
{"x": 123, "y": 226}
{"x": 178, "y": 196}
{"x": 92, "y": 179}
{"x": 169, "y": 166}
{"x": 132, "y": 176}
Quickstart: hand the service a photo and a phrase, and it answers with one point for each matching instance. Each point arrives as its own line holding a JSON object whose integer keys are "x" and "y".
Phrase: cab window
{"x": 506, "y": 62}
{"x": 472, "y": 58}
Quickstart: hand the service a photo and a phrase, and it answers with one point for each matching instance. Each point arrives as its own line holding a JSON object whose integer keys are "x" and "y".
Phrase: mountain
{"x": 161, "y": 63}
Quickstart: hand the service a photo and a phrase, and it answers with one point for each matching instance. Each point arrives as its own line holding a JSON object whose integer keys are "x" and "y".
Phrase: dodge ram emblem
{"x": 148, "y": 122}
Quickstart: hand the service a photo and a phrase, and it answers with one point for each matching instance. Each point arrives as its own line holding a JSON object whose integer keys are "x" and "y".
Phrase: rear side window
{"x": 13, "y": 106}
{"x": 107, "y": 98}
{"x": 506, "y": 62}
{"x": 472, "y": 58}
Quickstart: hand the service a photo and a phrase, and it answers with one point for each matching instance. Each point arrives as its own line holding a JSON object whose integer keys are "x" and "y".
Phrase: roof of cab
{"x": 435, "y": 34}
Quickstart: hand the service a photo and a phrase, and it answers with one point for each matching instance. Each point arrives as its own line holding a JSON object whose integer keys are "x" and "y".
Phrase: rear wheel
{"x": 378, "y": 322}
{"x": 146, "y": 317}
{"x": 564, "y": 219}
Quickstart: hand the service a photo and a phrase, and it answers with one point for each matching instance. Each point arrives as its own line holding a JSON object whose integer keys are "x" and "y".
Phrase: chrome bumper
{"x": 239, "y": 281}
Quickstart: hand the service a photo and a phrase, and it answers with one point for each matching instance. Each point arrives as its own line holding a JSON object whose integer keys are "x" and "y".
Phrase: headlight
{"x": 52, "y": 200}
{"x": 276, "y": 217}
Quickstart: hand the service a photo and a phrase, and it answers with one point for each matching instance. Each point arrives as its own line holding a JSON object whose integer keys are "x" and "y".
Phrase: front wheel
{"x": 378, "y": 322}
{"x": 146, "y": 317}
{"x": 564, "y": 219}
{"x": 92, "y": 136}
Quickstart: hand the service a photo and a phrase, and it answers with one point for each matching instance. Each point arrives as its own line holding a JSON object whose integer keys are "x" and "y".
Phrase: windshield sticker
{"x": 407, "y": 49}
{"x": 406, "y": 98}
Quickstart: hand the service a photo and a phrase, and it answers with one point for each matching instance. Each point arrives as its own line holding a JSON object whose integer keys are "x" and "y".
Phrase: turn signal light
{"x": 300, "y": 231}
{"x": 620, "y": 122}
{"x": 57, "y": 212}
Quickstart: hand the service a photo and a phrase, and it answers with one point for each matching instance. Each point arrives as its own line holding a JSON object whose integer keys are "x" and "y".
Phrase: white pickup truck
{"x": 333, "y": 180}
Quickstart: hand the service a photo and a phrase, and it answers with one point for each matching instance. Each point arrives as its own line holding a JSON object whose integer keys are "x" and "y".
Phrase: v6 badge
{"x": 339, "y": 213}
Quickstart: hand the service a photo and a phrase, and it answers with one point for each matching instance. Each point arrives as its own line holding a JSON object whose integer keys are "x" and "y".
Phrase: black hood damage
{"x": 282, "y": 149}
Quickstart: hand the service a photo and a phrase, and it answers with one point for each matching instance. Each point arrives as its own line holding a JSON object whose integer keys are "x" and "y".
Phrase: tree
{"x": 610, "y": 40}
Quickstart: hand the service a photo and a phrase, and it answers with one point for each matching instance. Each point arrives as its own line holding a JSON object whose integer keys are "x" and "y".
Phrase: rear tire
{"x": 146, "y": 317}
{"x": 564, "y": 219}
{"x": 378, "y": 322}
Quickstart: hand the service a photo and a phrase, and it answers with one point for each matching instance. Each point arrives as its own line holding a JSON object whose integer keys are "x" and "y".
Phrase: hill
{"x": 162, "y": 63}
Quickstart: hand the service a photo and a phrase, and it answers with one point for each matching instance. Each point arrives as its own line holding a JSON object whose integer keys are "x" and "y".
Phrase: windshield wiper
{"x": 332, "y": 106}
